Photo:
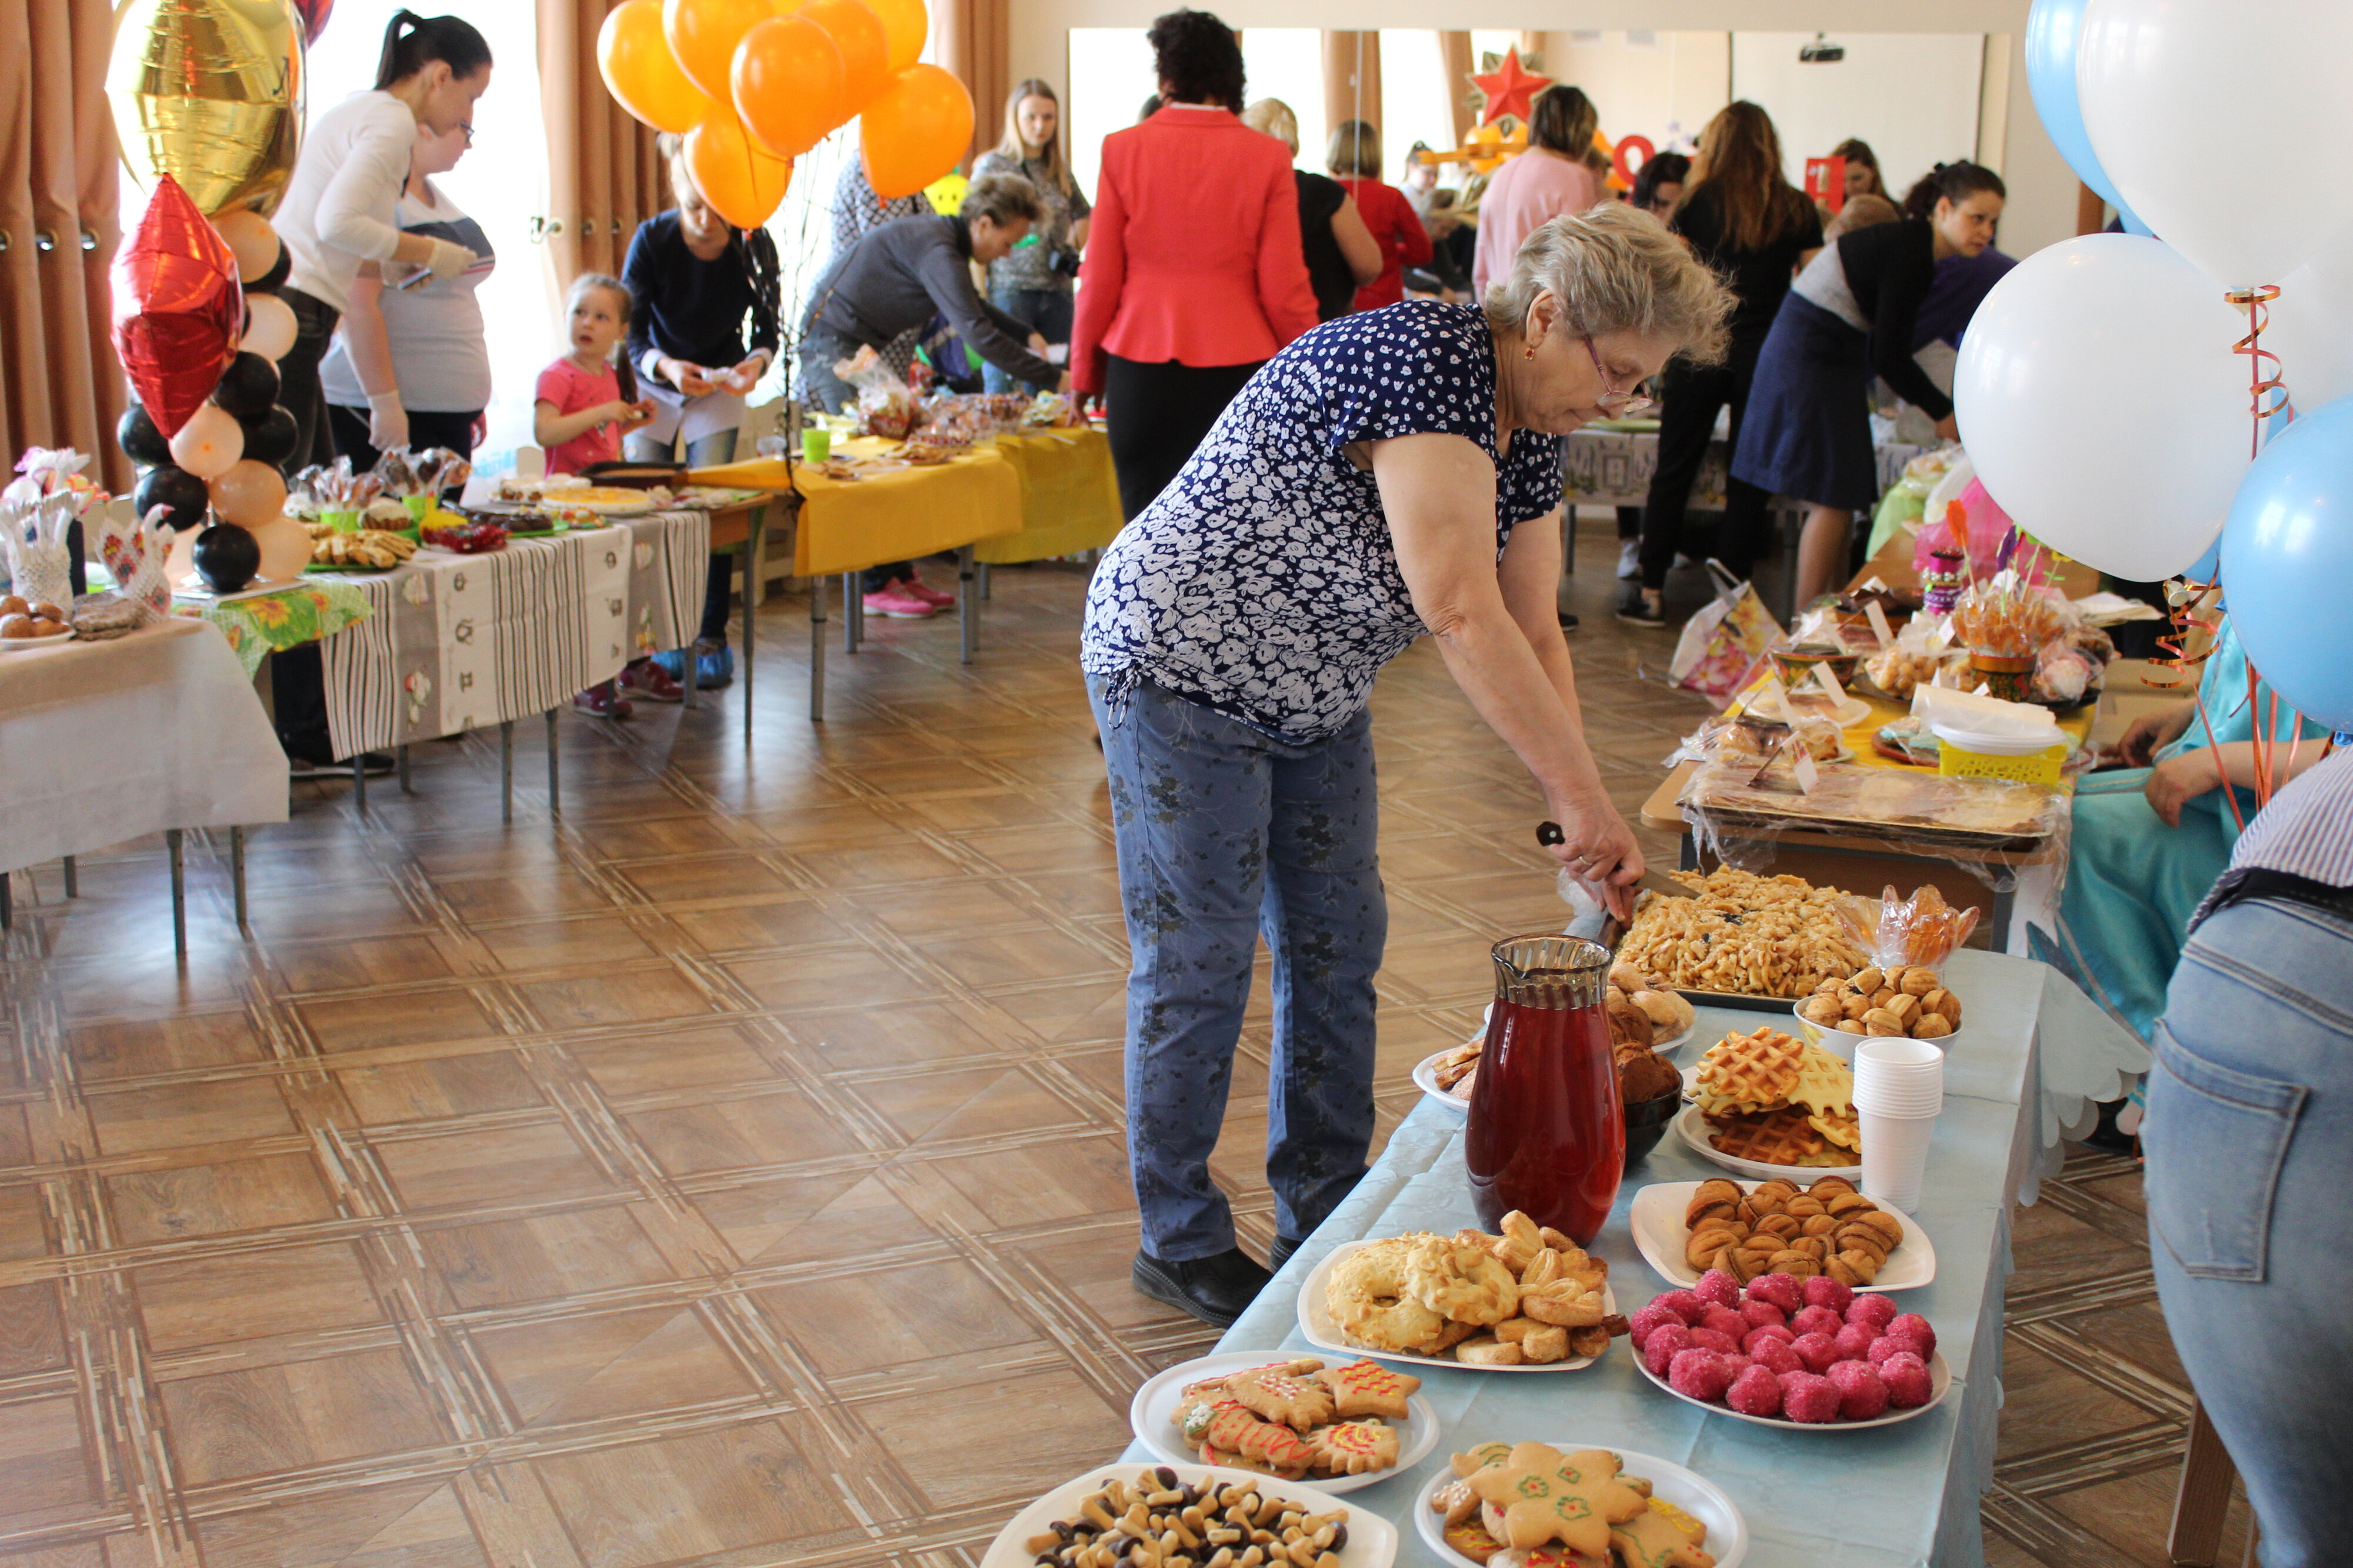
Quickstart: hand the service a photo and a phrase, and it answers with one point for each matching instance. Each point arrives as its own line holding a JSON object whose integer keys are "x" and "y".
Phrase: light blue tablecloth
{"x": 1882, "y": 1496}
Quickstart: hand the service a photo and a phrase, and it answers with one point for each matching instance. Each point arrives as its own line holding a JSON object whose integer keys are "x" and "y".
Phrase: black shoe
{"x": 1214, "y": 1290}
{"x": 1280, "y": 1253}
{"x": 376, "y": 764}
{"x": 1639, "y": 607}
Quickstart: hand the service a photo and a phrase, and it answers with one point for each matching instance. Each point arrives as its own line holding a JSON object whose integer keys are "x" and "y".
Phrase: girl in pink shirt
{"x": 585, "y": 406}
{"x": 1538, "y": 186}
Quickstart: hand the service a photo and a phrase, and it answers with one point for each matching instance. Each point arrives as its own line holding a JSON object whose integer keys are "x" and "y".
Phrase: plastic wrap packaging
{"x": 885, "y": 405}
{"x": 1916, "y": 660}
{"x": 1744, "y": 736}
{"x": 1900, "y": 933}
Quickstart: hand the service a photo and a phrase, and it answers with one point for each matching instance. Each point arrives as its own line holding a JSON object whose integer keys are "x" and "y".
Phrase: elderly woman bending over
{"x": 1390, "y": 475}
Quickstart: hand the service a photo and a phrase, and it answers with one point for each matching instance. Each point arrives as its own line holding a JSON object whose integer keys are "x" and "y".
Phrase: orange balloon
{"x": 905, "y": 24}
{"x": 917, "y": 130}
{"x": 742, "y": 183}
{"x": 865, "y": 50}
{"x": 703, "y": 33}
{"x": 642, "y": 74}
{"x": 788, "y": 78}
{"x": 249, "y": 494}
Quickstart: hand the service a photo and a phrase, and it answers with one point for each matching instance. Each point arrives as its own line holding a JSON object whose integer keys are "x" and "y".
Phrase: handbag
{"x": 1720, "y": 646}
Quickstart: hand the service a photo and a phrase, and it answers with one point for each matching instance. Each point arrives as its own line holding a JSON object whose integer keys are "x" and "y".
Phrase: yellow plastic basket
{"x": 2034, "y": 767}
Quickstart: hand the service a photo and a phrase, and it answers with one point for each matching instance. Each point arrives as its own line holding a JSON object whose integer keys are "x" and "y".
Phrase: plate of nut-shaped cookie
{"x": 1124, "y": 1503}
{"x": 1349, "y": 1424}
{"x": 1657, "y": 1218}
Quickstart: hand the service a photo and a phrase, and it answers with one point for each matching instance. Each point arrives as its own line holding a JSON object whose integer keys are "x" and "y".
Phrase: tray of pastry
{"x": 1734, "y": 939}
{"x": 1929, "y": 808}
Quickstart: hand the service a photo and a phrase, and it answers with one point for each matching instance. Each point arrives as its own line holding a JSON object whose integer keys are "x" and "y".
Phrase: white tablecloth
{"x": 102, "y": 742}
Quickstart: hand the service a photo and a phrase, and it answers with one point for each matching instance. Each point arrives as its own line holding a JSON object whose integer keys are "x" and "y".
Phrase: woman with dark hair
{"x": 1863, "y": 178}
{"x": 1340, "y": 251}
{"x": 1750, "y": 226}
{"x": 1850, "y": 315}
{"x": 1549, "y": 179}
{"x": 1659, "y": 184}
{"x": 1194, "y": 275}
{"x": 1031, "y": 283}
{"x": 1354, "y": 156}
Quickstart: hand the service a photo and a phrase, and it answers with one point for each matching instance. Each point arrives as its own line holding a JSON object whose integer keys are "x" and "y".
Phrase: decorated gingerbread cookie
{"x": 1541, "y": 1495}
{"x": 1296, "y": 1400}
{"x": 1352, "y": 1447}
{"x": 1653, "y": 1539}
{"x": 1367, "y": 1388}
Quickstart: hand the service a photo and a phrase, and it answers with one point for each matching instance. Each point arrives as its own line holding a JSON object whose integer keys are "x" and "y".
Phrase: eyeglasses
{"x": 1612, "y": 403}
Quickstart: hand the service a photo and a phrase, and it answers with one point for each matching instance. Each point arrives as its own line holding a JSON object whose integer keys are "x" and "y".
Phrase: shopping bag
{"x": 1720, "y": 646}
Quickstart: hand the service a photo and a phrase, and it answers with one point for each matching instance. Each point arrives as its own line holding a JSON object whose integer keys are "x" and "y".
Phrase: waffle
{"x": 1842, "y": 1127}
{"x": 1825, "y": 1084}
{"x": 1751, "y": 1072}
{"x": 1783, "y": 1137}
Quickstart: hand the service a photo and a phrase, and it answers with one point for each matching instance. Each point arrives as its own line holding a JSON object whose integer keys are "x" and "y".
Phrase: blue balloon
{"x": 2287, "y": 563}
{"x": 2052, "y": 27}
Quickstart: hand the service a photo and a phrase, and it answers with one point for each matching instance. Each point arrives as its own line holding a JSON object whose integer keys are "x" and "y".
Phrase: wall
{"x": 1914, "y": 97}
{"x": 1664, "y": 93}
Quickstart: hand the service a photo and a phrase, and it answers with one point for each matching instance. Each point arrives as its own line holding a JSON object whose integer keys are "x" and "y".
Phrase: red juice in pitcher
{"x": 1548, "y": 1132}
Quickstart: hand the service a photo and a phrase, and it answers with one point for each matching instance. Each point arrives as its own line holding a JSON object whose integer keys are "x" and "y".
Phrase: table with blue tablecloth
{"x": 2034, "y": 1059}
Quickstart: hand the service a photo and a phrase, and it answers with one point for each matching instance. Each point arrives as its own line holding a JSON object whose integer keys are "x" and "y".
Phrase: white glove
{"x": 448, "y": 259}
{"x": 388, "y": 421}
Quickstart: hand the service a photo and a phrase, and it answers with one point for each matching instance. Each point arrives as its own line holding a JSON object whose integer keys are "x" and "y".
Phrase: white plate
{"x": 1151, "y": 1416}
{"x": 1691, "y": 1128}
{"x": 1656, "y": 1219}
{"x": 1315, "y": 1322}
{"x": 1728, "y": 1532}
{"x": 1372, "y": 1540}
{"x": 27, "y": 645}
{"x": 1848, "y": 714}
{"x": 1940, "y": 1382}
{"x": 1425, "y": 1077}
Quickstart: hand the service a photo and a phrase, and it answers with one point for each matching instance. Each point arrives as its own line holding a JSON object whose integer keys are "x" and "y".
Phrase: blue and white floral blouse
{"x": 1263, "y": 582}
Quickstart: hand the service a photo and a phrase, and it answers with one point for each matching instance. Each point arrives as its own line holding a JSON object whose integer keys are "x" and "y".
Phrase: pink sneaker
{"x": 652, "y": 682}
{"x": 604, "y": 701}
{"x": 894, "y": 599}
{"x": 920, "y": 589}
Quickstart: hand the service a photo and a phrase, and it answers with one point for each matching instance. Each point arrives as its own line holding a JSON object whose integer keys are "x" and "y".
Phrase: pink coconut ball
{"x": 1780, "y": 1332}
{"x": 1817, "y": 1321}
{"x": 1762, "y": 1314}
{"x": 1861, "y": 1395}
{"x": 1807, "y": 1398}
{"x": 1821, "y": 1290}
{"x": 1682, "y": 1303}
{"x": 1717, "y": 1288}
{"x": 1725, "y": 1320}
{"x": 1665, "y": 1342}
{"x": 1913, "y": 1330}
{"x": 1735, "y": 1364}
{"x": 1715, "y": 1339}
{"x": 1819, "y": 1351}
{"x": 1876, "y": 1311}
{"x": 1756, "y": 1392}
{"x": 1908, "y": 1381}
{"x": 1638, "y": 1326}
{"x": 1776, "y": 1356}
{"x": 1853, "y": 1342}
{"x": 1781, "y": 1290}
{"x": 1699, "y": 1374}
{"x": 1883, "y": 1347}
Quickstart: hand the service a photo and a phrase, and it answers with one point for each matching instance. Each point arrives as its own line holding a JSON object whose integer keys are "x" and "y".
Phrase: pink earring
{"x": 1532, "y": 350}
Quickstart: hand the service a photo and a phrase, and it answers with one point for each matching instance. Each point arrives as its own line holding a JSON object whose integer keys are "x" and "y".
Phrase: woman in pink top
{"x": 1194, "y": 276}
{"x": 1549, "y": 179}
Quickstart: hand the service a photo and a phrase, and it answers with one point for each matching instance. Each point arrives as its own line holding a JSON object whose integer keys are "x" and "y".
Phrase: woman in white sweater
{"x": 341, "y": 212}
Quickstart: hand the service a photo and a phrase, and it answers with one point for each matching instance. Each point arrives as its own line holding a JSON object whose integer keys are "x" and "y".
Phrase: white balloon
{"x": 2102, "y": 406}
{"x": 271, "y": 329}
{"x": 2311, "y": 326}
{"x": 210, "y": 444}
{"x": 2183, "y": 98}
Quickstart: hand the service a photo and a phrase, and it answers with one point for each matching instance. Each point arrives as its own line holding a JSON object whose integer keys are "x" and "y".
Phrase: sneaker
{"x": 1642, "y": 607}
{"x": 652, "y": 682}
{"x": 1630, "y": 558}
{"x": 894, "y": 599}
{"x": 918, "y": 589}
{"x": 1214, "y": 1290}
{"x": 604, "y": 701}
{"x": 672, "y": 664}
{"x": 714, "y": 666}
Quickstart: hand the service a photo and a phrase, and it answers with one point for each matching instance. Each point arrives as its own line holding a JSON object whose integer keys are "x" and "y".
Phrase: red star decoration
{"x": 1510, "y": 89}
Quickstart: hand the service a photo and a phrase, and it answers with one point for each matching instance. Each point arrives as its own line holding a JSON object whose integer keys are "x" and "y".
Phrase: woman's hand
{"x": 2179, "y": 780}
{"x": 1598, "y": 849}
{"x": 691, "y": 379}
{"x": 1949, "y": 428}
{"x": 2148, "y": 734}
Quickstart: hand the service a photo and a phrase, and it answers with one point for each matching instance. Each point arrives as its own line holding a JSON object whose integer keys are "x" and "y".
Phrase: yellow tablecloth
{"x": 894, "y": 514}
{"x": 2075, "y": 724}
{"x": 1069, "y": 497}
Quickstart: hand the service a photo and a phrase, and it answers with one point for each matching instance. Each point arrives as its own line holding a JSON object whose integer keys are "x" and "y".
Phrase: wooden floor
{"x": 728, "y": 1171}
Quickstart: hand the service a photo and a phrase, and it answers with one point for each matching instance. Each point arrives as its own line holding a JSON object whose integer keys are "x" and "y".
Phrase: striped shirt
{"x": 2307, "y": 829}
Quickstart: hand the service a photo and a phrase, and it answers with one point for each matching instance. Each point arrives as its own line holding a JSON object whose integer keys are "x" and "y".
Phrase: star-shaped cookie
{"x": 1542, "y": 1494}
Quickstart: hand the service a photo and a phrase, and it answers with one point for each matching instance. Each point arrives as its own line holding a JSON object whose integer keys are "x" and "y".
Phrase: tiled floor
{"x": 688, "y": 1179}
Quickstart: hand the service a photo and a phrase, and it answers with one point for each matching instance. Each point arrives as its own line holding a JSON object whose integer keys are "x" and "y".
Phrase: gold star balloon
{"x": 210, "y": 92}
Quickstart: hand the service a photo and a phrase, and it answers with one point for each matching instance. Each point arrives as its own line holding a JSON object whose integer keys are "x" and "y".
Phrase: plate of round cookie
{"x": 1657, "y": 1219}
{"x": 1726, "y": 1535}
{"x": 1069, "y": 1515}
{"x": 1375, "y": 1396}
{"x": 1322, "y": 1329}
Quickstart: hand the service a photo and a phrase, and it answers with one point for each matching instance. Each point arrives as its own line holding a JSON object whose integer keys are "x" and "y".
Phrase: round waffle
{"x": 1825, "y": 1084}
{"x": 1782, "y": 1137}
{"x": 1751, "y": 1072}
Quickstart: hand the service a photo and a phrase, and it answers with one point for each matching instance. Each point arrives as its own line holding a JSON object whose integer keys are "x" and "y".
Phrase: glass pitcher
{"x": 1547, "y": 1134}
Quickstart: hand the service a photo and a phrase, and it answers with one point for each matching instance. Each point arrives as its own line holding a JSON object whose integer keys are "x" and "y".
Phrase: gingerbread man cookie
{"x": 1541, "y": 1495}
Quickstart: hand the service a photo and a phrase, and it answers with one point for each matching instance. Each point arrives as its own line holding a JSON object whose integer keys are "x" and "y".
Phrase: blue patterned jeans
{"x": 1223, "y": 834}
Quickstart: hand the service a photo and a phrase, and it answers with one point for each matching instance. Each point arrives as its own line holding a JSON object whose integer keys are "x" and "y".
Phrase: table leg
{"x": 817, "y": 589}
{"x": 2202, "y": 1496}
{"x": 236, "y": 871}
{"x": 8, "y": 902}
{"x": 986, "y": 580}
{"x": 359, "y": 780}
{"x": 1997, "y": 927}
{"x": 750, "y": 642}
{"x": 179, "y": 892}
{"x": 553, "y": 809}
{"x": 400, "y": 756}
{"x": 967, "y": 612}
{"x": 73, "y": 878}
{"x": 853, "y": 612}
{"x": 506, "y": 769}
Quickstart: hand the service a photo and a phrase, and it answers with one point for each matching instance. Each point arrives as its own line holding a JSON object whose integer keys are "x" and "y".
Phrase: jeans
{"x": 1224, "y": 835}
{"x": 2249, "y": 1137}
{"x": 719, "y": 584}
{"x": 1046, "y": 311}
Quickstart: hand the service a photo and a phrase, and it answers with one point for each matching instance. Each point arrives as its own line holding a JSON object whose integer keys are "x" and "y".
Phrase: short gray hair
{"x": 1618, "y": 270}
{"x": 1001, "y": 198}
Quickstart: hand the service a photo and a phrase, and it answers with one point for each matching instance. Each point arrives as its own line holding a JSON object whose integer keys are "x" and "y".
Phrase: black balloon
{"x": 247, "y": 389}
{"x": 227, "y": 557}
{"x": 274, "y": 279}
{"x": 141, "y": 442}
{"x": 164, "y": 485}
{"x": 270, "y": 438}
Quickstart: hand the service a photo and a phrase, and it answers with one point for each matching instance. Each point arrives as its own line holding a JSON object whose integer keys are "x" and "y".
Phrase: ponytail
{"x": 1955, "y": 182}
{"x": 412, "y": 42}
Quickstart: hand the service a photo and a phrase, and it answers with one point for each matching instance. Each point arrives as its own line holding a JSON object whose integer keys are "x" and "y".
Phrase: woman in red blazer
{"x": 1194, "y": 276}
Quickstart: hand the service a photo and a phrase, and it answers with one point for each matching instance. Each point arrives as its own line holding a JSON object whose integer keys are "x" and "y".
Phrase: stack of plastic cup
{"x": 1899, "y": 1087}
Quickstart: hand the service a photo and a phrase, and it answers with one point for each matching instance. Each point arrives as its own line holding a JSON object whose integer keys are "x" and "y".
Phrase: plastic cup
{"x": 817, "y": 442}
{"x": 341, "y": 521}
{"x": 419, "y": 506}
{"x": 1894, "y": 1157}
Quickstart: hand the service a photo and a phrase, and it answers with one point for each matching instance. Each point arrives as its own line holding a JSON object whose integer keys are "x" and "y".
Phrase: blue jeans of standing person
{"x": 1046, "y": 311}
{"x": 2249, "y": 1146}
{"x": 1225, "y": 834}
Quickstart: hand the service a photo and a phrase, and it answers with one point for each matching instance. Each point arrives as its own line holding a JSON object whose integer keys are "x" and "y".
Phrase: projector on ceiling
{"x": 1820, "y": 52}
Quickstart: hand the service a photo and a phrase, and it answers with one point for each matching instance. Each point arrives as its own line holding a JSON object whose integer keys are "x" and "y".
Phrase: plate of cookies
{"x": 1629, "y": 1510}
{"x": 1765, "y": 1102}
{"x": 1527, "y": 1300}
{"x": 1335, "y": 1426}
{"x": 1907, "y": 1000}
{"x": 1208, "y": 1509}
{"x": 1748, "y": 1228}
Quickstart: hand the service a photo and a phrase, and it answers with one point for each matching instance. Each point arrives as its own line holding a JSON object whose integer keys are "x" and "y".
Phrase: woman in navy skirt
{"x": 1847, "y": 318}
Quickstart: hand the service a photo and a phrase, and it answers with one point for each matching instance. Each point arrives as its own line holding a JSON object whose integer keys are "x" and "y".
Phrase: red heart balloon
{"x": 177, "y": 307}
{"x": 315, "y": 18}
